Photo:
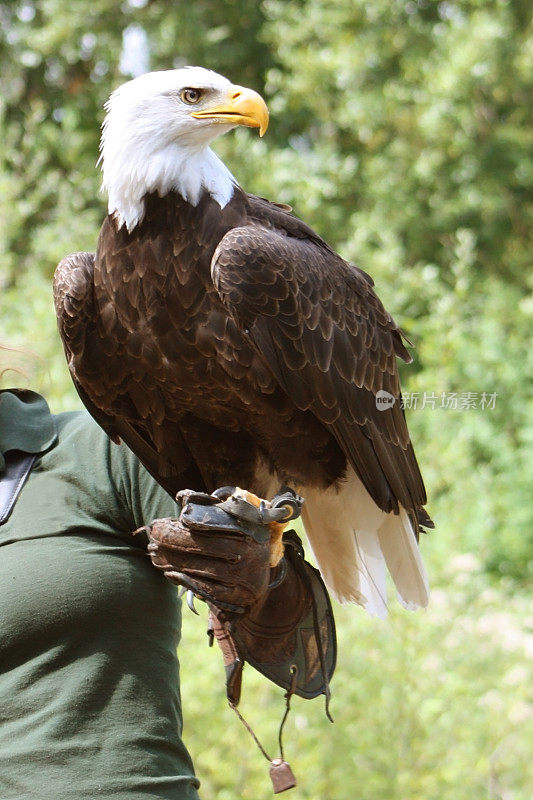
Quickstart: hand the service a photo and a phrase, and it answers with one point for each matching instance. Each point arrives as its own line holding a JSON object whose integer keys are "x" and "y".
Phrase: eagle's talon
{"x": 224, "y": 492}
{"x": 185, "y": 496}
{"x": 190, "y": 602}
{"x": 291, "y": 502}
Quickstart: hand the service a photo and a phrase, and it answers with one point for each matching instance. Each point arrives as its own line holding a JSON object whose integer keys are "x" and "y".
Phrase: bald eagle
{"x": 226, "y": 342}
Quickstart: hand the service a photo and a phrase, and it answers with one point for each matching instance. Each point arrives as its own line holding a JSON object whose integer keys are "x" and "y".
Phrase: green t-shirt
{"x": 89, "y": 687}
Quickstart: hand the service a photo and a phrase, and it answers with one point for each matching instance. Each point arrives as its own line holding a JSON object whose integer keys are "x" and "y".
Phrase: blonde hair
{"x": 17, "y": 364}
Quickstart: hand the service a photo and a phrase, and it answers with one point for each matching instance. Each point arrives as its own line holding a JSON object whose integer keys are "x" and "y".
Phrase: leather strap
{"x": 18, "y": 467}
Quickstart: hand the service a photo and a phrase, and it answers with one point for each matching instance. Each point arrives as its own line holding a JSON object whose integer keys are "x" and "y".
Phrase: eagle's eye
{"x": 190, "y": 95}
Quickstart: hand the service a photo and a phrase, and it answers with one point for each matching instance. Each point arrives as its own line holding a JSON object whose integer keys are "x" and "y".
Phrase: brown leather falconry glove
{"x": 212, "y": 554}
{"x": 278, "y": 619}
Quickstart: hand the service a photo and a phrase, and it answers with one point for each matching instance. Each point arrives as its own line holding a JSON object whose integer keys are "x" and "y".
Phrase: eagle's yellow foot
{"x": 289, "y": 501}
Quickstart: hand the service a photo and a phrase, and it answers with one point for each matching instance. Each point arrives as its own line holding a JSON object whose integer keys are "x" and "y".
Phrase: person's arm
{"x": 141, "y": 496}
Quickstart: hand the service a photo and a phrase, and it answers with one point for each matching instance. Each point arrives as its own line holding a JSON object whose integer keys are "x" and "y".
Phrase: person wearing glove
{"x": 89, "y": 686}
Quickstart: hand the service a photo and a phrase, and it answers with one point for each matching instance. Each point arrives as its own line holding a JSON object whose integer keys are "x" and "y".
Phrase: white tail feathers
{"x": 354, "y": 542}
{"x": 404, "y": 562}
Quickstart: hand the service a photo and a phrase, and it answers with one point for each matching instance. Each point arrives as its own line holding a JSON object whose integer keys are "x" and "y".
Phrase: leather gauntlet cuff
{"x": 290, "y": 635}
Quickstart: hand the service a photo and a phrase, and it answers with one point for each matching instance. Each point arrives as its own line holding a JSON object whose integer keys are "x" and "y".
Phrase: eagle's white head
{"x": 157, "y": 132}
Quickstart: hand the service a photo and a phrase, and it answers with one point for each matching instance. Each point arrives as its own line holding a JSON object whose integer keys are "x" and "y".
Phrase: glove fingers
{"x": 191, "y": 549}
{"x": 204, "y": 590}
{"x": 228, "y": 568}
{"x": 218, "y": 580}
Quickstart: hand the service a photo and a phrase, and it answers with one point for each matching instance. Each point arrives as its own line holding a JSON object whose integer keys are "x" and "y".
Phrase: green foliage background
{"x": 401, "y": 131}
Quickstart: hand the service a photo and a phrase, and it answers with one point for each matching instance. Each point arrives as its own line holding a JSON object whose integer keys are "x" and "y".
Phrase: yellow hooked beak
{"x": 242, "y": 107}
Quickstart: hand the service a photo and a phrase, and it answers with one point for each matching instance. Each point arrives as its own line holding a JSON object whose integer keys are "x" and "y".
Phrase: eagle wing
{"x": 331, "y": 346}
{"x": 87, "y": 362}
